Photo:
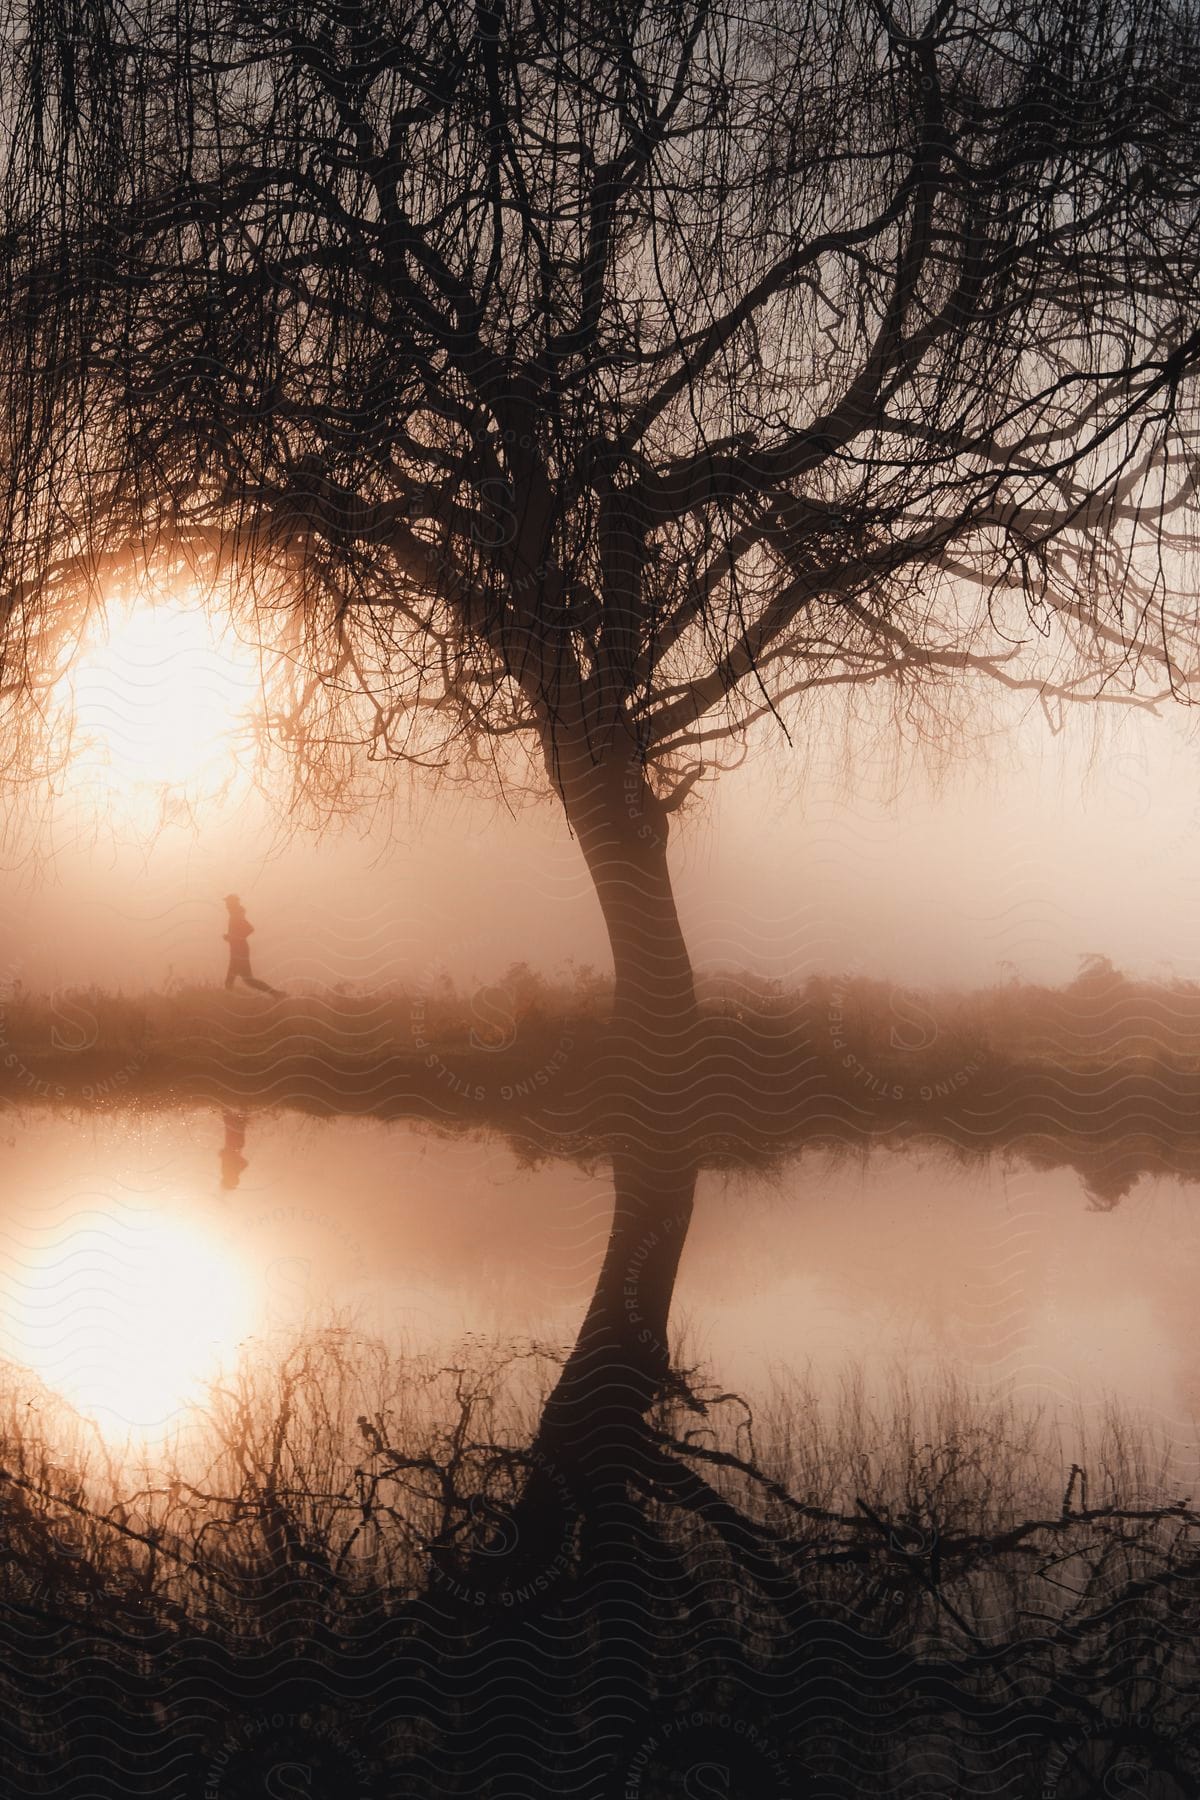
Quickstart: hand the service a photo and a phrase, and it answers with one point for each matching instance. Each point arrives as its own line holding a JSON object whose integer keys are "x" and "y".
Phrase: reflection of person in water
{"x": 232, "y": 1160}
{"x": 238, "y": 939}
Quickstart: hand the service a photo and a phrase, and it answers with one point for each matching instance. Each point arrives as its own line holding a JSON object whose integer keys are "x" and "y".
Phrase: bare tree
{"x": 613, "y": 377}
{"x": 609, "y": 379}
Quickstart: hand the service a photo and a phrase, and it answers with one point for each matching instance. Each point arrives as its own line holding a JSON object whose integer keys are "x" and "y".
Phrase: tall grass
{"x": 1100, "y": 1020}
{"x": 946, "y": 1556}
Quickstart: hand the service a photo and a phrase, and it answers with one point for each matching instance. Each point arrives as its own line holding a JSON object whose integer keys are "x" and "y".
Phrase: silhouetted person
{"x": 238, "y": 939}
{"x": 232, "y": 1160}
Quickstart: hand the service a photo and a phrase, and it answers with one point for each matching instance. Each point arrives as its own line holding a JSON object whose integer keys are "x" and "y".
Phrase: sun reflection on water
{"x": 126, "y": 1314}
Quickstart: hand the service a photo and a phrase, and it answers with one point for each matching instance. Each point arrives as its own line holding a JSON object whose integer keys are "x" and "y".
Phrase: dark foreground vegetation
{"x": 338, "y": 1583}
{"x": 1103, "y": 1074}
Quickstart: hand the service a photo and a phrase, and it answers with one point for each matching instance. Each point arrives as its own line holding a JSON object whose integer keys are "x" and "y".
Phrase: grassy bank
{"x": 1103, "y": 1074}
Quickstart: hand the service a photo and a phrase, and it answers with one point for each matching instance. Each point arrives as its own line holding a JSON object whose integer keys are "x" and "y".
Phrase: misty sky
{"x": 1029, "y": 852}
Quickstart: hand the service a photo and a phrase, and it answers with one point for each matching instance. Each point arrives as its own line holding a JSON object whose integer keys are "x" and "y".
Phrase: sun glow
{"x": 126, "y": 1315}
{"x": 157, "y": 710}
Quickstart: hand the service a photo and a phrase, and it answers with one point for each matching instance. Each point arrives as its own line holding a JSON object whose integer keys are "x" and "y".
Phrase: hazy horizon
{"x": 1039, "y": 852}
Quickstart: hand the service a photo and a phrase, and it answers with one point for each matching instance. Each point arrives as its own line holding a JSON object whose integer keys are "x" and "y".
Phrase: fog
{"x": 1039, "y": 847}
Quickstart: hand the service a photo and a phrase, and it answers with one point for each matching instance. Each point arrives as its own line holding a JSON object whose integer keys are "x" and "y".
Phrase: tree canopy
{"x": 612, "y": 374}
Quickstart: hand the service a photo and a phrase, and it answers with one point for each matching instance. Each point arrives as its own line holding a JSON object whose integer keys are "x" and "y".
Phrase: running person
{"x": 238, "y": 939}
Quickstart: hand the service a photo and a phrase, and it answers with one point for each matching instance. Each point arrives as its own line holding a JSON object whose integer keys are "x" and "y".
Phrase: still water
{"x": 133, "y": 1273}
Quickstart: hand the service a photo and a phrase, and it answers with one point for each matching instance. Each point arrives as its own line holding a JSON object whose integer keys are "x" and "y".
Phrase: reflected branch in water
{"x": 818, "y": 1607}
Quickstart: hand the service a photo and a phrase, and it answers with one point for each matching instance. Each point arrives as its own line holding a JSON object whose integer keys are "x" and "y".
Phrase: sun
{"x": 157, "y": 709}
{"x": 126, "y": 1315}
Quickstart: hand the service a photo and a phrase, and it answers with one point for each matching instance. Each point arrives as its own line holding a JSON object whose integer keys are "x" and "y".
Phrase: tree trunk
{"x": 647, "y": 1072}
{"x": 594, "y": 1426}
{"x": 623, "y": 833}
{"x": 594, "y": 1438}
{"x": 594, "y": 1420}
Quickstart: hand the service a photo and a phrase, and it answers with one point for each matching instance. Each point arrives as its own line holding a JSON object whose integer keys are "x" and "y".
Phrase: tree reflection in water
{"x": 593, "y": 1574}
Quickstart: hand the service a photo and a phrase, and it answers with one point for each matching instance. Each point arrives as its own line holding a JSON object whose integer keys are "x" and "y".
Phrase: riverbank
{"x": 1103, "y": 1074}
